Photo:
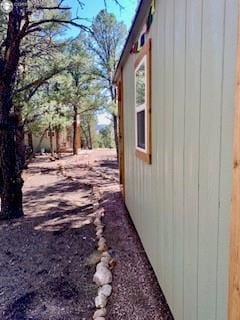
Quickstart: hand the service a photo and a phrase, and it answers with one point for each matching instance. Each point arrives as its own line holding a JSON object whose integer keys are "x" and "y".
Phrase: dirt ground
{"x": 43, "y": 270}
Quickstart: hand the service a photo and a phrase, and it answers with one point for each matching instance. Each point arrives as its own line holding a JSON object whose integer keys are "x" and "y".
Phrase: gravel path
{"x": 43, "y": 270}
{"x": 136, "y": 293}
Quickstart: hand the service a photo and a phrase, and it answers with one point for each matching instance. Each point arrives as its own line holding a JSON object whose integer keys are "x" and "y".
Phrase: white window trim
{"x": 142, "y": 107}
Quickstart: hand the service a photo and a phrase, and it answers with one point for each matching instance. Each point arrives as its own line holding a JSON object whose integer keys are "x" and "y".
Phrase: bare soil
{"x": 43, "y": 270}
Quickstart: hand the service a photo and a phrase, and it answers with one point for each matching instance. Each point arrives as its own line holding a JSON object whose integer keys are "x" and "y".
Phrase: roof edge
{"x": 140, "y": 14}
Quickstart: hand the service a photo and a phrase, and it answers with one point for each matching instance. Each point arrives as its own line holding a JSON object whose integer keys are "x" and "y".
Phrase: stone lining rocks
{"x": 103, "y": 275}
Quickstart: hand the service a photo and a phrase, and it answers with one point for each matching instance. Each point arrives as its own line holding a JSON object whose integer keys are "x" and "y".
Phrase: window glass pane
{"x": 141, "y": 129}
{"x": 140, "y": 85}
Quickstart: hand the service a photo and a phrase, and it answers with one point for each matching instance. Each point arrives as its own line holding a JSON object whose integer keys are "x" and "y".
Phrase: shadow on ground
{"x": 43, "y": 275}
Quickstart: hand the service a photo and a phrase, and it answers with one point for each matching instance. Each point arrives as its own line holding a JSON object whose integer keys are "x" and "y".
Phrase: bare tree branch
{"x": 37, "y": 83}
{"x": 52, "y": 8}
{"x": 33, "y": 26}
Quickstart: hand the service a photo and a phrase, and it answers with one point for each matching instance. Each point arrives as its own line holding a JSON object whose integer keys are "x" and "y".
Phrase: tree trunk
{"x": 19, "y": 139}
{"x": 11, "y": 191}
{"x": 85, "y": 138}
{"x": 41, "y": 140}
{"x": 90, "y": 136}
{"x": 57, "y": 130}
{"x": 51, "y": 141}
{"x": 29, "y": 152}
{"x": 76, "y": 132}
{"x": 30, "y": 140}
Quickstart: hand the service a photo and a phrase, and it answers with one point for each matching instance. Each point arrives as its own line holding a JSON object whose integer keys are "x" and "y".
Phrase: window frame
{"x": 141, "y": 107}
{"x": 144, "y": 56}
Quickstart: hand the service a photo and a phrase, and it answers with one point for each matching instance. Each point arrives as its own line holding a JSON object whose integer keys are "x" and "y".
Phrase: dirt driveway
{"x": 43, "y": 269}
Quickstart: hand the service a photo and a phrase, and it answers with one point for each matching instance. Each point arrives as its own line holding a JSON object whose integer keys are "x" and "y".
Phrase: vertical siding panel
{"x": 135, "y": 173}
{"x": 149, "y": 208}
{"x": 160, "y": 146}
{"x": 158, "y": 130}
{"x": 154, "y": 175}
{"x": 144, "y": 223}
{"x": 126, "y": 133}
{"x": 152, "y": 243}
{"x": 212, "y": 60}
{"x": 128, "y": 84}
{"x": 226, "y": 156}
{"x": 178, "y": 191}
{"x": 191, "y": 156}
{"x": 163, "y": 132}
{"x": 168, "y": 157}
{"x": 153, "y": 168}
{"x": 135, "y": 169}
{"x": 156, "y": 107}
{"x": 126, "y": 137}
{"x": 141, "y": 211}
{"x": 131, "y": 110}
{"x": 146, "y": 227}
{"x": 150, "y": 205}
{"x": 146, "y": 230}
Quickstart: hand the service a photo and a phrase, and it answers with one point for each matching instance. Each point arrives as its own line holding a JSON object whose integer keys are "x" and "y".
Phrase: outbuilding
{"x": 178, "y": 85}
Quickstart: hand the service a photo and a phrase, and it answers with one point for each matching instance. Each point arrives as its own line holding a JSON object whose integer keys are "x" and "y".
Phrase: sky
{"x": 90, "y": 10}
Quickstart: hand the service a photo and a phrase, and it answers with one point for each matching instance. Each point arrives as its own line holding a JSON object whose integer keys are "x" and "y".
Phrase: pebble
{"x": 100, "y": 313}
{"x": 106, "y": 254}
{"x": 100, "y": 318}
{"x": 105, "y": 261}
{"x": 101, "y": 241}
{"x": 102, "y": 275}
{"x": 100, "y": 301}
{"x": 100, "y": 265}
{"x": 102, "y": 247}
{"x": 99, "y": 234}
{"x": 99, "y": 228}
{"x": 105, "y": 290}
{"x": 97, "y": 222}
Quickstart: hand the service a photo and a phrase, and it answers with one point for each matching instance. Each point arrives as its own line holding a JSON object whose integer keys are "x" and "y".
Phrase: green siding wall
{"x": 181, "y": 203}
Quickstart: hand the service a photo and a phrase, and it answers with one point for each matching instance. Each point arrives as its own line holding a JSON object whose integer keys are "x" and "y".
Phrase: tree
{"x": 36, "y": 74}
{"x": 88, "y": 128}
{"x": 106, "y": 137}
{"x": 21, "y": 23}
{"x": 107, "y": 37}
{"x": 82, "y": 92}
{"x": 46, "y": 111}
{"x": 71, "y": 94}
{"x": 27, "y": 19}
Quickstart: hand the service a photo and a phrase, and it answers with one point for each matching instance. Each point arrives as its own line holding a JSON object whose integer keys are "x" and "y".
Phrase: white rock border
{"x": 103, "y": 275}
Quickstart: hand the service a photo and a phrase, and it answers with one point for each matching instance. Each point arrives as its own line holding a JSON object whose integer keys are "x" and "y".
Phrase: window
{"x": 141, "y": 130}
{"x": 143, "y": 103}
